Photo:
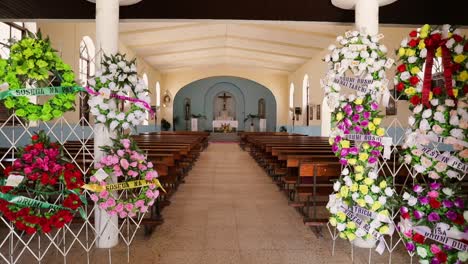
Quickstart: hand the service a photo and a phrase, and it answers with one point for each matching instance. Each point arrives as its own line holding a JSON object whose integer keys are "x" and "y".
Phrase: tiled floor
{"x": 229, "y": 211}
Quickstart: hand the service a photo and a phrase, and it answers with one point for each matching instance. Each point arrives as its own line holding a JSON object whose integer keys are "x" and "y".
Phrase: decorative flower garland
{"x": 42, "y": 172}
{"x": 434, "y": 214}
{"x": 424, "y": 46}
{"x": 31, "y": 62}
{"x": 359, "y": 191}
{"x": 112, "y": 88}
{"x": 137, "y": 181}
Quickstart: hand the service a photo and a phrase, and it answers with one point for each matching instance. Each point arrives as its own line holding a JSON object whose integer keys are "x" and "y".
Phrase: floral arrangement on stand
{"x": 110, "y": 89}
{"x": 31, "y": 68}
{"x": 226, "y": 128}
{"x": 135, "y": 186}
{"x": 435, "y": 144}
{"x": 359, "y": 206}
{"x": 36, "y": 179}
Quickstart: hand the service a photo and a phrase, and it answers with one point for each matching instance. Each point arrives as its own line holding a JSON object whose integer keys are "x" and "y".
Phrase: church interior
{"x": 139, "y": 131}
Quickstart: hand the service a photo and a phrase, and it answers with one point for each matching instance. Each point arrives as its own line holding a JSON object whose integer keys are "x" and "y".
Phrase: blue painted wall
{"x": 245, "y": 92}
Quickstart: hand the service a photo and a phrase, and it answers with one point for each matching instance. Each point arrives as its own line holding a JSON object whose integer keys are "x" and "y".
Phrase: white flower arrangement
{"x": 119, "y": 79}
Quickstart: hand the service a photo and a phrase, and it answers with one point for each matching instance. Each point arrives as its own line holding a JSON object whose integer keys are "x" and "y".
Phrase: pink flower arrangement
{"x": 127, "y": 163}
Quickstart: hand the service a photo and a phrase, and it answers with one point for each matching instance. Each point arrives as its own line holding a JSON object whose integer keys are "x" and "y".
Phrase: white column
{"x": 107, "y": 41}
{"x": 367, "y": 12}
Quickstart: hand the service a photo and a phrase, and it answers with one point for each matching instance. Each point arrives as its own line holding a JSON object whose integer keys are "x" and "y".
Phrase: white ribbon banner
{"x": 441, "y": 237}
{"x": 445, "y": 140}
{"x": 357, "y": 84}
{"x": 447, "y": 159}
{"x": 367, "y": 227}
{"x": 385, "y": 141}
{"x": 372, "y": 215}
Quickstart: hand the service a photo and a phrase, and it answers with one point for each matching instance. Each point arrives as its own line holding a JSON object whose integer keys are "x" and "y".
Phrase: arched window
{"x": 326, "y": 118}
{"x": 145, "y": 81}
{"x": 86, "y": 69}
{"x": 158, "y": 94}
{"x": 12, "y": 31}
{"x": 305, "y": 99}
{"x": 291, "y": 96}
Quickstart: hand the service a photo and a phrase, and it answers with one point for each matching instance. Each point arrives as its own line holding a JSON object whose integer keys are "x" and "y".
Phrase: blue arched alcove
{"x": 246, "y": 94}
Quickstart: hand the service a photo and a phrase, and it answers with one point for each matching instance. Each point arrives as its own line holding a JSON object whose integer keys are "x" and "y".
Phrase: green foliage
{"x": 33, "y": 61}
{"x": 165, "y": 125}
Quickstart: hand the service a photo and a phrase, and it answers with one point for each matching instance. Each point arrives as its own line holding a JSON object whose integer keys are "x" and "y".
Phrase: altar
{"x": 218, "y": 124}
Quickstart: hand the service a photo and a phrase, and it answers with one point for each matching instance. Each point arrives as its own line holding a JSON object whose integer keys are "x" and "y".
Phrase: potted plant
{"x": 165, "y": 125}
{"x": 252, "y": 117}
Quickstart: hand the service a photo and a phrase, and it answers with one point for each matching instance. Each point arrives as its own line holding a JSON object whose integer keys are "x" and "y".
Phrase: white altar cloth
{"x": 219, "y": 123}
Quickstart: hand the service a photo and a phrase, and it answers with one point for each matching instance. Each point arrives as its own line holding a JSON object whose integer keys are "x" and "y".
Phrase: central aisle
{"x": 229, "y": 211}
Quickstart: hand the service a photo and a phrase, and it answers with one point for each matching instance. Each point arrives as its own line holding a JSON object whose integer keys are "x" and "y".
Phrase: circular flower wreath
{"x": 117, "y": 81}
{"x": 420, "y": 46}
{"x": 33, "y": 62}
{"x": 444, "y": 117}
{"x": 125, "y": 161}
{"x": 47, "y": 177}
{"x": 364, "y": 57}
{"x": 433, "y": 207}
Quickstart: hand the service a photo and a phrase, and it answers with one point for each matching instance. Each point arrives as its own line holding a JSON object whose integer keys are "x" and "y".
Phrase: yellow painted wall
{"x": 277, "y": 83}
{"x": 66, "y": 38}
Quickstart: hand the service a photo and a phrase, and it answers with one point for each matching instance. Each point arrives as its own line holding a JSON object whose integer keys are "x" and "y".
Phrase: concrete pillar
{"x": 367, "y": 12}
{"x": 107, "y": 42}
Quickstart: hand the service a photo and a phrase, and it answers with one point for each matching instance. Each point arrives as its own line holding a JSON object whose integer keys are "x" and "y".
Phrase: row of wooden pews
{"x": 172, "y": 153}
{"x": 305, "y": 168}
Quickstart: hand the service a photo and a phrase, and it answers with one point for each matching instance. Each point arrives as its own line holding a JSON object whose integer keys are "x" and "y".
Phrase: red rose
{"x": 460, "y": 220}
{"x": 418, "y": 238}
{"x": 413, "y": 33}
{"x": 441, "y": 256}
{"x": 400, "y": 86}
{"x": 465, "y": 48}
{"x": 436, "y": 37}
{"x": 46, "y": 228}
{"x": 20, "y": 225}
{"x": 415, "y": 100}
{"x": 405, "y": 215}
{"x": 35, "y": 137}
{"x": 72, "y": 202}
{"x": 455, "y": 67}
{"x": 457, "y": 38}
{"x": 7, "y": 170}
{"x": 412, "y": 43}
{"x": 414, "y": 80}
{"x": 465, "y": 88}
{"x": 401, "y": 68}
{"x": 437, "y": 91}
{"x": 39, "y": 145}
{"x": 434, "y": 203}
{"x": 30, "y": 230}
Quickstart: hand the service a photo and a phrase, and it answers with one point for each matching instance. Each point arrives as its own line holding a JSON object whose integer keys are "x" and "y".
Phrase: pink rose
{"x": 139, "y": 203}
{"x": 133, "y": 164}
{"x": 124, "y": 163}
{"x": 149, "y": 165}
{"x": 129, "y": 207}
{"x": 437, "y": 129}
{"x": 28, "y": 170}
{"x": 125, "y": 142}
{"x": 104, "y": 194}
{"x": 93, "y": 179}
{"x": 131, "y": 214}
{"x": 142, "y": 167}
{"x": 143, "y": 209}
{"x": 103, "y": 206}
{"x": 120, "y": 152}
{"x": 122, "y": 214}
{"x": 119, "y": 208}
{"x": 149, "y": 194}
{"x": 110, "y": 202}
{"x": 94, "y": 197}
{"x": 433, "y": 194}
{"x": 435, "y": 249}
{"x": 112, "y": 212}
{"x": 132, "y": 173}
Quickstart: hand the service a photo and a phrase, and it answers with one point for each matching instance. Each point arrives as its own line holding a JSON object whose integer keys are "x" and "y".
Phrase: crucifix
{"x": 224, "y": 97}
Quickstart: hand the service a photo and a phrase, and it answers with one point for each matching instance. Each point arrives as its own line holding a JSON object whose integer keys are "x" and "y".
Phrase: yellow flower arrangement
{"x": 376, "y": 206}
{"x": 371, "y": 126}
{"x": 410, "y": 91}
{"x": 368, "y": 181}
{"x": 339, "y": 116}
{"x": 415, "y": 70}
{"x": 344, "y": 143}
{"x": 358, "y": 101}
{"x": 364, "y": 189}
{"x": 358, "y": 176}
{"x": 352, "y": 161}
{"x": 459, "y": 58}
{"x": 380, "y": 132}
{"x": 377, "y": 121}
{"x": 363, "y": 156}
{"x": 359, "y": 169}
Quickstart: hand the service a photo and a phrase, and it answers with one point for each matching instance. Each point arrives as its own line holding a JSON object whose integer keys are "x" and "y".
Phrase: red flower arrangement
{"x": 45, "y": 171}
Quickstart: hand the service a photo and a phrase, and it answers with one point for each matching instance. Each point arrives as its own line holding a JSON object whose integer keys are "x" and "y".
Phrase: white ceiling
{"x": 273, "y": 46}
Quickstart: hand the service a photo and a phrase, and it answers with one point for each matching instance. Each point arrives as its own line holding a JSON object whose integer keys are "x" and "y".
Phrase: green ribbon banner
{"x": 28, "y": 202}
{"x": 40, "y": 91}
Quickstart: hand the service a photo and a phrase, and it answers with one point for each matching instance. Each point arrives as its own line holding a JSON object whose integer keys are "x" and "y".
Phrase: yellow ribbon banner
{"x": 122, "y": 186}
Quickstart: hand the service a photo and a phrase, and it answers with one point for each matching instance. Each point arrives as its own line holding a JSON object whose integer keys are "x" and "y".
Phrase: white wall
{"x": 66, "y": 38}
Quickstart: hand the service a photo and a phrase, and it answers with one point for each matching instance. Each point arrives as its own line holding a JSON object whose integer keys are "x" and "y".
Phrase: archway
{"x": 246, "y": 94}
